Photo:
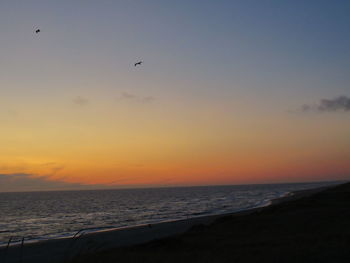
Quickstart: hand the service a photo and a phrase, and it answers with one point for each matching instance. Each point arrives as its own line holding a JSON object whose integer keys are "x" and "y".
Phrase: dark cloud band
{"x": 28, "y": 182}
{"x": 341, "y": 103}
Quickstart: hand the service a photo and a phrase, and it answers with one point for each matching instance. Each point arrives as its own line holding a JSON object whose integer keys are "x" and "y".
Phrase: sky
{"x": 230, "y": 92}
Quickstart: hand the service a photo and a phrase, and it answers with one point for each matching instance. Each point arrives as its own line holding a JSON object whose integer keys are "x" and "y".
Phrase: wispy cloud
{"x": 341, "y": 103}
{"x": 148, "y": 99}
{"x": 53, "y": 168}
{"x": 80, "y": 101}
{"x": 128, "y": 96}
{"x": 135, "y": 98}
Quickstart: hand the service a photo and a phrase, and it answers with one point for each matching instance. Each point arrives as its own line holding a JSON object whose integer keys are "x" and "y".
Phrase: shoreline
{"x": 96, "y": 230}
{"x": 304, "y": 227}
{"x": 61, "y": 249}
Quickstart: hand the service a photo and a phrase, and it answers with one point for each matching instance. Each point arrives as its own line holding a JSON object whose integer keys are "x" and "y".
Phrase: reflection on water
{"x": 38, "y": 215}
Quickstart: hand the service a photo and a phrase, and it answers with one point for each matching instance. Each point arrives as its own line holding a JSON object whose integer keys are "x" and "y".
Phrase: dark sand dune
{"x": 315, "y": 228}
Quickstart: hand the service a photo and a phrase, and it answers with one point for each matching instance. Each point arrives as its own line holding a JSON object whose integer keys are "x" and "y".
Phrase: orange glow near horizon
{"x": 180, "y": 151}
{"x": 226, "y": 95}
{"x": 200, "y": 155}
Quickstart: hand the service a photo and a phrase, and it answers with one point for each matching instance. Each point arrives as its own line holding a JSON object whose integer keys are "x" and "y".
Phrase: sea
{"x": 35, "y": 216}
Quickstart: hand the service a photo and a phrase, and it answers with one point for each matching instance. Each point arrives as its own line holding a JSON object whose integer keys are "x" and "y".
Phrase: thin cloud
{"x": 80, "y": 101}
{"x": 54, "y": 168}
{"x": 148, "y": 99}
{"x": 341, "y": 103}
{"x": 128, "y": 96}
{"x": 135, "y": 98}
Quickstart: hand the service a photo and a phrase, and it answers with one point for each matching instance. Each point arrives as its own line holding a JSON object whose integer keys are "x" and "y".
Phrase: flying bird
{"x": 37, "y": 31}
{"x": 138, "y": 63}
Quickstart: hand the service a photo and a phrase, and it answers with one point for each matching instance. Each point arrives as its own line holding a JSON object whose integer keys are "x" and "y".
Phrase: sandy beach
{"x": 309, "y": 226}
{"x": 106, "y": 245}
{"x": 306, "y": 226}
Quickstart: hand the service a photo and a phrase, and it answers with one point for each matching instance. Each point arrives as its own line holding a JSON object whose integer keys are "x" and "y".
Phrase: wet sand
{"x": 204, "y": 239}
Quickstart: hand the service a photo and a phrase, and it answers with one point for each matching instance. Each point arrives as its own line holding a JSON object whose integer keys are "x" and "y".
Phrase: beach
{"x": 307, "y": 226}
{"x": 211, "y": 238}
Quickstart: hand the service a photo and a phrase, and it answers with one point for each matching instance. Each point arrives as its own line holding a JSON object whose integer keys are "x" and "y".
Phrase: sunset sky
{"x": 230, "y": 92}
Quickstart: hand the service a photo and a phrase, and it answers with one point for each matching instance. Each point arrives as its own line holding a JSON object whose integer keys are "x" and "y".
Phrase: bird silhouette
{"x": 37, "y": 31}
{"x": 138, "y": 63}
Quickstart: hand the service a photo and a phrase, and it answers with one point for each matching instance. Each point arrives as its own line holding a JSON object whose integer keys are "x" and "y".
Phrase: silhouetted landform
{"x": 314, "y": 228}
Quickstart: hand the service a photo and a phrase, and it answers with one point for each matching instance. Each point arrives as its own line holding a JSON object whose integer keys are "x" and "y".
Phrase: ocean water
{"x": 47, "y": 215}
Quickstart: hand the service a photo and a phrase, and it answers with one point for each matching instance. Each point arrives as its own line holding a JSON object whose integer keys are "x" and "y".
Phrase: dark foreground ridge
{"x": 315, "y": 228}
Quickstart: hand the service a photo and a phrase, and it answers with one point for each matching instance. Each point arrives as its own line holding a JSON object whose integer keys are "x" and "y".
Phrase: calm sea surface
{"x": 45, "y": 215}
